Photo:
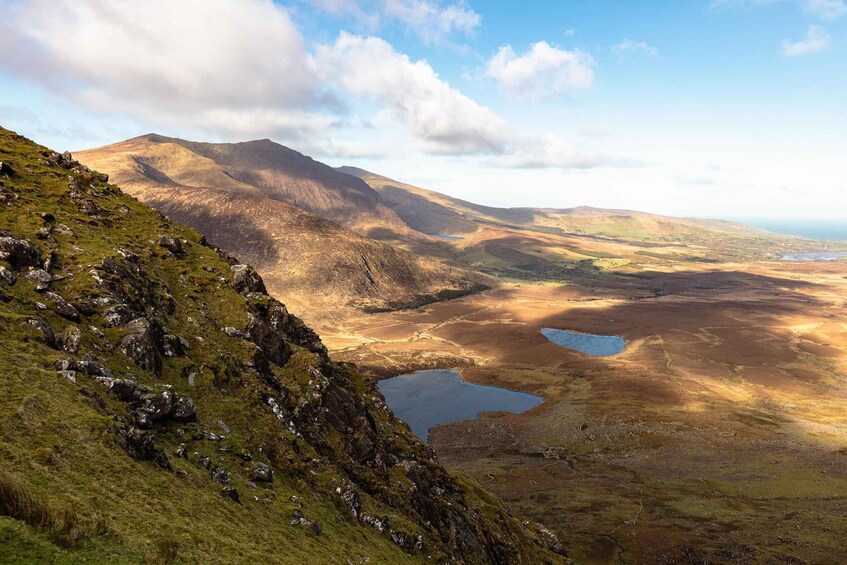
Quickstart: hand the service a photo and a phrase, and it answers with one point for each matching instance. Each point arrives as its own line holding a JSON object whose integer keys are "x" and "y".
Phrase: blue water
{"x": 822, "y": 229}
{"x": 447, "y": 237}
{"x": 597, "y": 345}
{"x": 429, "y": 398}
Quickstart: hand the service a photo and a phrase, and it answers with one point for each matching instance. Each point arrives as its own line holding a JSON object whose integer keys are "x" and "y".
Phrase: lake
{"x": 814, "y": 256}
{"x": 447, "y": 237}
{"x": 426, "y": 399}
{"x": 597, "y": 345}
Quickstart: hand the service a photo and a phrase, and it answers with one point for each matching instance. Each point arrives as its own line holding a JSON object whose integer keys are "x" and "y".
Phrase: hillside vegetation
{"x": 156, "y": 405}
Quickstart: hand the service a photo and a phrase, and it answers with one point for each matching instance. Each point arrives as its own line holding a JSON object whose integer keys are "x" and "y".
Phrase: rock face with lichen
{"x": 147, "y": 364}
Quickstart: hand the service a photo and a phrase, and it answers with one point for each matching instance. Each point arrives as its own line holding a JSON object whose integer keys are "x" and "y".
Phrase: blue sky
{"x": 720, "y": 108}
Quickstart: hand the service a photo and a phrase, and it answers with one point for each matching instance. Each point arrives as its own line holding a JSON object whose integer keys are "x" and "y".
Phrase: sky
{"x": 710, "y": 108}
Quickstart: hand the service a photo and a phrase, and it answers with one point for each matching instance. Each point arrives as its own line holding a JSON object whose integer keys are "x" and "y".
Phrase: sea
{"x": 811, "y": 228}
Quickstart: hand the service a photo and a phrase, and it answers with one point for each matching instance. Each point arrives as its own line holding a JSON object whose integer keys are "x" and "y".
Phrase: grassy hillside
{"x": 156, "y": 405}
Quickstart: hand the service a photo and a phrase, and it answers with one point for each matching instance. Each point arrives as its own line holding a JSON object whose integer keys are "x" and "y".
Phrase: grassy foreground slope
{"x": 156, "y": 405}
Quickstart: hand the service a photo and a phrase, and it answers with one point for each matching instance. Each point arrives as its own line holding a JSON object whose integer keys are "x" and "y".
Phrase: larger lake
{"x": 426, "y": 399}
{"x": 597, "y": 345}
{"x": 814, "y": 256}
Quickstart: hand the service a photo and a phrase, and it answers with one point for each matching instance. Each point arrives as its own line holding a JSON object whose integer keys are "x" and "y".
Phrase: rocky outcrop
{"x": 19, "y": 252}
{"x": 143, "y": 344}
{"x": 245, "y": 279}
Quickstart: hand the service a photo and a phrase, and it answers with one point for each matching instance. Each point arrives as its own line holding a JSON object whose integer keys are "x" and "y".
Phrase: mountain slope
{"x": 283, "y": 212}
{"x": 433, "y": 213}
{"x": 158, "y": 406}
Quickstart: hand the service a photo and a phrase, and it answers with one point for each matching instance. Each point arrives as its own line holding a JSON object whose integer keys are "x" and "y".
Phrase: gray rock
{"x": 70, "y": 375}
{"x": 70, "y": 339}
{"x": 231, "y": 493}
{"x": 40, "y": 278}
{"x": 8, "y": 276}
{"x": 49, "y": 337}
{"x": 124, "y": 389}
{"x": 183, "y": 409}
{"x": 6, "y": 169}
{"x": 172, "y": 244}
{"x": 143, "y": 344}
{"x": 63, "y": 308}
{"x": 64, "y": 230}
{"x": 219, "y": 475}
{"x": 245, "y": 279}
{"x": 21, "y": 253}
{"x": 263, "y": 473}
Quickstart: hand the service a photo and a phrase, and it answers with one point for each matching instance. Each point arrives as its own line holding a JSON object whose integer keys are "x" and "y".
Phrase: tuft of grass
{"x": 16, "y": 501}
{"x": 166, "y": 552}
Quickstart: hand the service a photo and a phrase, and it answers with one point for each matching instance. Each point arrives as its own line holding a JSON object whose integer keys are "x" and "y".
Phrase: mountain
{"x": 302, "y": 224}
{"x": 568, "y": 243}
{"x": 158, "y": 406}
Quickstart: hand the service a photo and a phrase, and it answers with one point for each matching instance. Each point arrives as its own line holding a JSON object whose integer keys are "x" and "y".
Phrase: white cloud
{"x": 825, "y": 9}
{"x": 433, "y": 21}
{"x": 637, "y": 47}
{"x": 443, "y": 118}
{"x": 168, "y": 62}
{"x": 816, "y": 39}
{"x": 543, "y": 71}
{"x": 548, "y": 151}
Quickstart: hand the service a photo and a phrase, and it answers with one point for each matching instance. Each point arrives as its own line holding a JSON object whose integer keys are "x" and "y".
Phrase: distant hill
{"x": 302, "y": 224}
{"x": 431, "y": 212}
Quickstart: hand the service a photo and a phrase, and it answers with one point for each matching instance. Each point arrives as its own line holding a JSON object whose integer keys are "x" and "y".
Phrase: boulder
{"x": 172, "y": 244}
{"x": 6, "y": 169}
{"x": 124, "y": 390}
{"x": 245, "y": 279}
{"x": 70, "y": 339}
{"x": 40, "y": 278}
{"x": 8, "y": 276}
{"x": 183, "y": 409}
{"x": 63, "y": 308}
{"x": 49, "y": 338}
{"x": 143, "y": 344}
{"x": 231, "y": 493}
{"x": 219, "y": 475}
{"x": 270, "y": 341}
{"x": 263, "y": 473}
{"x": 21, "y": 253}
{"x": 139, "y": 445}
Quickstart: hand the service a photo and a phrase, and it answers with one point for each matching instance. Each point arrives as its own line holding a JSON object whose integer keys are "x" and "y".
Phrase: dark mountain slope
{"x": 284, "y": 213}
{"x": 156, "y": 405}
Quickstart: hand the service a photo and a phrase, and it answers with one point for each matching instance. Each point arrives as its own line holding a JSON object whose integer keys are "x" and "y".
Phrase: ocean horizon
{"x": 811, "y": 228}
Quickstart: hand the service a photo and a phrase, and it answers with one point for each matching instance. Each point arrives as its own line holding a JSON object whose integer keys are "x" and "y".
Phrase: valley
{"x": 715, "y": 434}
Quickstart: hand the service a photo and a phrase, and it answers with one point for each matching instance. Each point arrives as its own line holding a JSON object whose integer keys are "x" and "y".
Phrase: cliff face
{"x": 156, "y": 404}
{"x": 305, "y": 226}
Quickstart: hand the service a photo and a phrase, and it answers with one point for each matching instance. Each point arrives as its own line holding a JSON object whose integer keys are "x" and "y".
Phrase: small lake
{"x": 447, "y": 237}
{"x": 814, "y": 256}
{"x": 597, "y": 345}
{"x": 426, "y": 399}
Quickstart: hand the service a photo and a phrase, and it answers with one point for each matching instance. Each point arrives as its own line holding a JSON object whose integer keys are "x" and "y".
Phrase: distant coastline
{"x": 811, "y": 228}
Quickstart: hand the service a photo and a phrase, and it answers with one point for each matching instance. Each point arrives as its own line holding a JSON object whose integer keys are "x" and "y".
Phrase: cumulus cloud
{"x": 541, "y": 72}
{"x": 816, "y": 40}
{"x": 433, "y": 21}
{"x": 636, "y": 47}
{"x": 443, "y": 118}
{"x": 187, "y": 61}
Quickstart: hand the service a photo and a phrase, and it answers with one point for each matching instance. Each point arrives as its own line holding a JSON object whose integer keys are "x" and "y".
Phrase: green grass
{"x": 69, "y": 493}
